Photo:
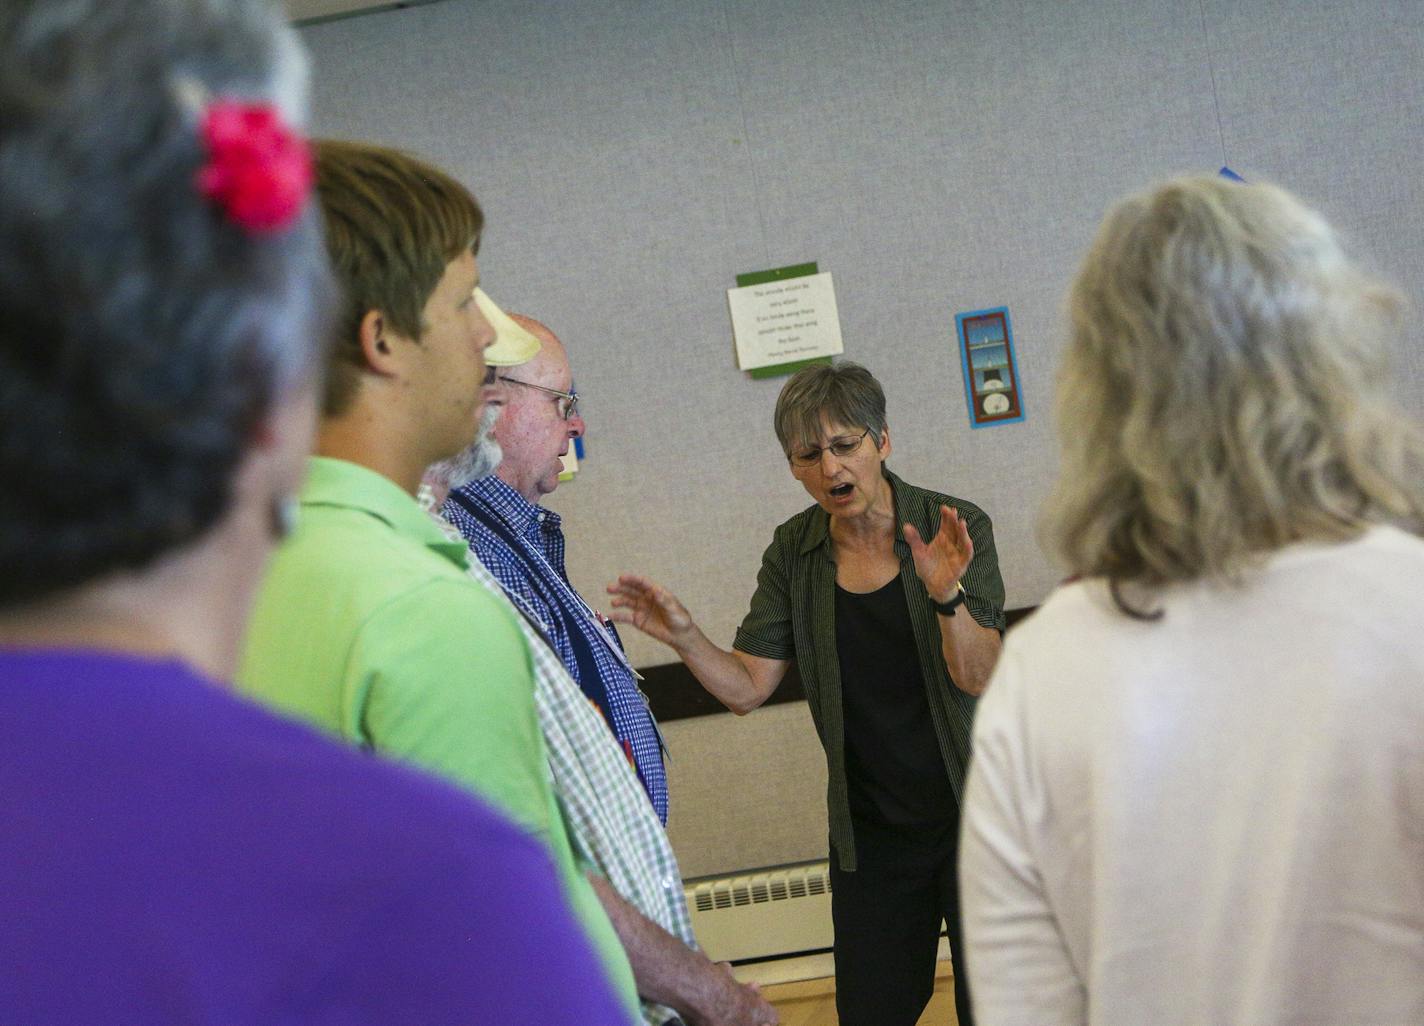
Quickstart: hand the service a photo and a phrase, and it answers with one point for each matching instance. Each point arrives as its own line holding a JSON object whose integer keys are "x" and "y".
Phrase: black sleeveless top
{"x": 895, "y": 773}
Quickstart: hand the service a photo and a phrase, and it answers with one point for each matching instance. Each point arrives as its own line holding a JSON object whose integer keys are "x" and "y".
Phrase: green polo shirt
{"x": 368, "y": 627}
{"x": 793, "y": 617}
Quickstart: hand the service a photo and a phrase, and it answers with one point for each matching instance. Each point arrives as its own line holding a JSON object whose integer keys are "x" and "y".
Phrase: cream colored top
{"x": 1216, "y": 818}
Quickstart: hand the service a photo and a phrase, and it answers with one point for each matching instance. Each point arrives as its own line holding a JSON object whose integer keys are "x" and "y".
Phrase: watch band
{"x": 955, "y": 601}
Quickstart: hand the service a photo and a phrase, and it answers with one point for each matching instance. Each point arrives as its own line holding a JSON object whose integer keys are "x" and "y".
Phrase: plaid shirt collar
{"x": 524, "y": 518}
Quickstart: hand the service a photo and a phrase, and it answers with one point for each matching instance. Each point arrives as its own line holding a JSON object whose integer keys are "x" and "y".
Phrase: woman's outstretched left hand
{"x": 942, "y": 560}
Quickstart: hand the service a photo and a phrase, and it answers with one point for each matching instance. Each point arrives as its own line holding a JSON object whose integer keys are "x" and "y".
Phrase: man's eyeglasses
{"x": 567, "y": 401}
{"x": 840, "y": 448}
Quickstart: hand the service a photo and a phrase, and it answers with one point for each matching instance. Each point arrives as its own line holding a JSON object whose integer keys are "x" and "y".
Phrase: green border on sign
{"x": 776, "y": 274}
{"x": 777, "y": 370}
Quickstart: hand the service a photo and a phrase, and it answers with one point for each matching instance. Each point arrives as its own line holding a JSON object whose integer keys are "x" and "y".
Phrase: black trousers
{"x": 887, "y": 917}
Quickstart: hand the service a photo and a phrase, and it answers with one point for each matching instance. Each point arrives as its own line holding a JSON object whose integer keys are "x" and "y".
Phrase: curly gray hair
{"x": 143, "y": 335}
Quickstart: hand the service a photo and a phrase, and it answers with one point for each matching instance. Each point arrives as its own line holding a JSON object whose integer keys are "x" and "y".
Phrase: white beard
{"x": 477, "y": 460}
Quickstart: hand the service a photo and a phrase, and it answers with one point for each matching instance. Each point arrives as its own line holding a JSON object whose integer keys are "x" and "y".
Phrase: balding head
{"x": 530, "y": 430}
{"x": 538, "y": 329}
{"x": 551, "y": 352}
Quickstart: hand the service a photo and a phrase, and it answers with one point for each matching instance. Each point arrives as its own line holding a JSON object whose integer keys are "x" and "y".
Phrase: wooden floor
{"x": 813, "y": 1002}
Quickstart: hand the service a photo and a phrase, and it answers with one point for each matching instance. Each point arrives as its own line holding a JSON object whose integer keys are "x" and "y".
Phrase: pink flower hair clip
{"x": 259, "y": 171}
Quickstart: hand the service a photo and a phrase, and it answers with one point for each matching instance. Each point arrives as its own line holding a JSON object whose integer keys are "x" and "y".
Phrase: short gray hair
{"x": 143, "y": 334}
{"x": 1224, "y": 391}
{"x": 844, "y": 392}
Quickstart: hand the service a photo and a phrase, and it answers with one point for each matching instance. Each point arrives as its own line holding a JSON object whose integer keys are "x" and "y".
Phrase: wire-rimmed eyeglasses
{"x": 568, "y": 401}
{"x": 840, "y": 448}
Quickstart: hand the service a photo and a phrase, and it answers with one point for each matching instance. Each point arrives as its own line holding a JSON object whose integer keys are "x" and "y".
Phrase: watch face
{"x": 997, "y": 402}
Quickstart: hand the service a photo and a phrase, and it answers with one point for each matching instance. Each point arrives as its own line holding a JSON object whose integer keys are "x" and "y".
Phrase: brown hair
{"x": 844, "y": 392}
{"x": 393, "y": 223}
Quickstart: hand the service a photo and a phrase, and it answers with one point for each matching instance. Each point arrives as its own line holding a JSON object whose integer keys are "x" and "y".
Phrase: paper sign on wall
{"x": 568, "y": 465}
{"x": 785, "y": 321}
{"x": 569, "y": 461}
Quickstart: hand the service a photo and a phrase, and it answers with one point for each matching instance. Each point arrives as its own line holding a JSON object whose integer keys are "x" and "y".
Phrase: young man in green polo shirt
{"x": 367, "y": 624}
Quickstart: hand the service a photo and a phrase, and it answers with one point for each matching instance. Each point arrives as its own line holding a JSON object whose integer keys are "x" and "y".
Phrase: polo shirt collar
{"x": 342, "y": 484}
{"x": 818, "y": 531}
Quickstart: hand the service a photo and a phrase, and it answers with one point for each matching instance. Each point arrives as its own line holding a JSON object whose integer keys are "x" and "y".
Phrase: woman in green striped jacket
{"x": 889, "y": 600}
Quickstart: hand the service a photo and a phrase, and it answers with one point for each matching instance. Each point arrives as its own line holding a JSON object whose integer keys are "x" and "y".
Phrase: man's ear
{"x": 377, "y": 345}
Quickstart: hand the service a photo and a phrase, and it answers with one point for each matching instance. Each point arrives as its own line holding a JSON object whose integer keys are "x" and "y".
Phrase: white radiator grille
{"x": 765, "y": 914}
{"x": 754, "y": 890}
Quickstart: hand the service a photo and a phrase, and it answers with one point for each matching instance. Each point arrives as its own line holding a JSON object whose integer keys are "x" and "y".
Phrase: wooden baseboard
{"x": 821, "y": 986}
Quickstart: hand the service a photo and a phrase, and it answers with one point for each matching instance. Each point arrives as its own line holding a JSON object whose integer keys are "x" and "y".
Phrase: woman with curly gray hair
{"x": 1198, "y": 782}
{"x": 168, "y": 852}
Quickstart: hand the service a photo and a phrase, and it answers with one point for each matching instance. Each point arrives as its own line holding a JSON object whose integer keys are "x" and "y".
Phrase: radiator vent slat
{"x": 763, "y": 914}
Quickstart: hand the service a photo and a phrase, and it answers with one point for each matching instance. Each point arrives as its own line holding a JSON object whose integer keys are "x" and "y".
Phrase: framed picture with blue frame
{"x": 991, "y": 376}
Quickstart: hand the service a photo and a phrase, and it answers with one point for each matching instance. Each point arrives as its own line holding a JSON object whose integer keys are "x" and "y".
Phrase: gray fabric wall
{"x": 633, "y": 157}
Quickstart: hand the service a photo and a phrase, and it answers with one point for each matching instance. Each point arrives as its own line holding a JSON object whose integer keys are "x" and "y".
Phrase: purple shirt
{"x": 170, "y": 853}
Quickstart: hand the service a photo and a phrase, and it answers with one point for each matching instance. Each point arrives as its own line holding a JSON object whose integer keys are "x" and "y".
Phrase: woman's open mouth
{"x": 842, "y": 491}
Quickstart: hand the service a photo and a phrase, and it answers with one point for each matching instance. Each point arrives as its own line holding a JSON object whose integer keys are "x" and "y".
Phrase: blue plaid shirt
{"x": 546, "y": 593}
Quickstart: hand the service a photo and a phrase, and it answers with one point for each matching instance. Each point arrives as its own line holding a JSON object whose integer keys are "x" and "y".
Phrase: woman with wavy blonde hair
{"x": 1197, "y": 793}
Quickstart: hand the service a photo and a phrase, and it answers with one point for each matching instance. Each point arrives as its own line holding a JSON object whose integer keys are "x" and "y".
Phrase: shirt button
{"x": 540, "y": 518}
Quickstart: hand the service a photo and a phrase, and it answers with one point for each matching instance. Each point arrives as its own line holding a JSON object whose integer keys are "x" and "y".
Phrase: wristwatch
{"x": 955, "y": 601}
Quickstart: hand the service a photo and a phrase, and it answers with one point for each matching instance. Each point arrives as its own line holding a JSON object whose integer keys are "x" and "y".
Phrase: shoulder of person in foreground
{"x": 250, "y": 864}
{"x": 474, "y": 925}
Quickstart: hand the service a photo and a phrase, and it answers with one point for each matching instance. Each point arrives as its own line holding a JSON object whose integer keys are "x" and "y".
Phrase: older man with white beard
{"x": 513, "y": 346}
{"x": 613, "y": 827}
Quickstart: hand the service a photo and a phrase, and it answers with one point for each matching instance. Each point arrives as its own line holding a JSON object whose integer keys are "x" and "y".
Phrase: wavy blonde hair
{"x": 1224, "y": 392}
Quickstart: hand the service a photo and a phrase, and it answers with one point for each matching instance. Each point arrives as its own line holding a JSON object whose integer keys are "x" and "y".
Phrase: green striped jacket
{"x": 793, "y": 616}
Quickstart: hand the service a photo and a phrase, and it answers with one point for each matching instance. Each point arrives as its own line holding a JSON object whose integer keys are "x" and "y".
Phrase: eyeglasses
{"x": 567, "y": 401}
{"x": 840, "y": 448}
